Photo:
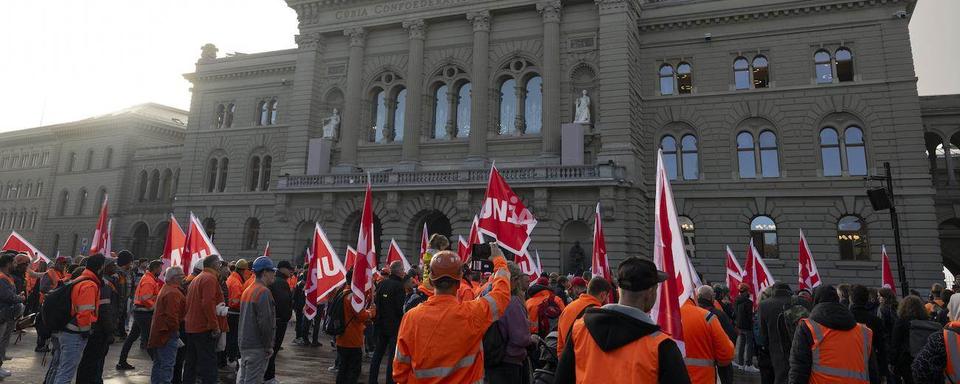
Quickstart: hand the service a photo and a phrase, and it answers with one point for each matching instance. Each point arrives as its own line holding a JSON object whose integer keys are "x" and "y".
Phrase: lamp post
{"x": 890, "y": 203}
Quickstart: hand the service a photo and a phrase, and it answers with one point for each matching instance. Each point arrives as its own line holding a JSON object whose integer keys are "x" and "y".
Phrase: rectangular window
{"x": 666, "y": 85}
{"x": 769, "y": 163}
{"x": 748, "y": 165}
{"x": 690, "y": 169}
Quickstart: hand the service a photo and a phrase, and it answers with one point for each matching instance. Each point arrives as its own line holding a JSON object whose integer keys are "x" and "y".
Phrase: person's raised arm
{"x": 489, "y": 307}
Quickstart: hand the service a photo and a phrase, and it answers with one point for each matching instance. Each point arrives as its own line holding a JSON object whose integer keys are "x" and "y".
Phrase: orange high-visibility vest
{"x": 235, "y": 288}
{"x": 707, "y": 345}
{"x": 637, "y": 362}
{"x": 840, "y": 357}
{"x": 951, "y": 339}
{"x": 146, "y": 295}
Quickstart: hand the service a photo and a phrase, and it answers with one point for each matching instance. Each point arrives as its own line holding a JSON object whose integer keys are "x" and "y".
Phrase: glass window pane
{"x": 689, "y": 143}
{"x": 691, "y": 169}
{"x": 508, "y": 107}
{"x": 741, "y": 79}
{"x": 748, "y": 166}
{"x": 670, "y": 165}
{"x": 666, "y": 84}
{"x": 740, "y": 63}
{"x": 853, "y": 135}
{"x": 381, "y": 116}
{"x": 684, "y": 78}
{"x": 844, "y": 65}
{"x": 831, "y": 161}
{"x": 534, "y": 102}
{"x": 254, "y": 173}
{"x": 744, "y": 140}
{"x": 856, "y": 160}
{"x": 824, "y": 73}
{"x": 440, "y": 108}
{"x": 770, "y": 163}
{"x": 821, "y": 57}
{"x": 398, "y": 115}
{"x": 761, "y": 76}
{"x": 828, "y": 136}
{"x": 768, "y": 140}
{"x": 463, "y": 111}
{"x": 669, "y": 144}
{"x": 666, "y": 70}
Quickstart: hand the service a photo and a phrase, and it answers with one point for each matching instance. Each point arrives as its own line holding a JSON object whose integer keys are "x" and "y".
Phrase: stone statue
{"x": 208, "y": 52}
{"x": 331, "y": 125}
{"x": 583, "y": 109}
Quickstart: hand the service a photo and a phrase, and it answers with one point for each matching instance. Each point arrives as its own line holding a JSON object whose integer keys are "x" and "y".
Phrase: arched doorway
{"x": 140, "y": 238}
{"x": 950, "y": 244}
{"x": 302, "y": 241}
{"x": 436, "y": 222}
{"x": 576, "y": 246}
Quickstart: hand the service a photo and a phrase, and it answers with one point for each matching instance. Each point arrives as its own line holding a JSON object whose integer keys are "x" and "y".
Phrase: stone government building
{"x": 770, "y": 114}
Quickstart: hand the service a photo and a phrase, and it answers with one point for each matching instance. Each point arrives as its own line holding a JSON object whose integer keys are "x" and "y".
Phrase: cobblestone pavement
{"x": 295, "y": 364}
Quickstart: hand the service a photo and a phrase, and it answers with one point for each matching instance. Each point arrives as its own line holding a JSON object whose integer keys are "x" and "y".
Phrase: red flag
{"x": 394, "y": 254}
{"x": 473, "y": 238}
{"x": 600, "y": 265}
{"x": 366, "y": 255}
{"x": 351, "y": 258}
{"x": 173, "y": 246}
{"x": 266, "y": 250}
{"x": 734, "y": 275}
{"x": 670, "y": 257}
{"x": 197, "y": 245}
{"x": 324, "y": 272}
{"x": 887, "y": 272}
{"x": 527, "y": 265}
{"x": 15, "y": 242}
{"x": 463, "y": 249}
{"x": 757, "y": 274}
{"x": 424, "y": 240}
{"x": 504, "y": 217}
{"x": 109, "y": 241}
{"x": 808, "y": 275}
{"x": 101, "y": 235}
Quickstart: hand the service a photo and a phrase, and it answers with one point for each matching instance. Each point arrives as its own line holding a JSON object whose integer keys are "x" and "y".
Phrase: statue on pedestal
{"x": 331, "y": 125}
{"x": 583, "y": 109}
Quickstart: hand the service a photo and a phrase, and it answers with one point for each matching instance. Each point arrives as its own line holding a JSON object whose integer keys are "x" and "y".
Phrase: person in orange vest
{"x": 350, "y": 343}
{"x": 144, "y": 299}
{"x": 621, "y": 343}
{"x": 48, "y": 282}
{"x": 544, "y": 302}
{"x": 707, "y": 345}
{"x": 165, "y": 326}
{"x": 939, "y": 359}
{"x": 236, "y": 284}
{"x": 830, "y": 346}
{"x": 440, "y": 340}
{"x": 68, "y": 343}
{"x": 597, "y": 292}
{"x": 468, "y": 289}
{"x": 204, "y": 323}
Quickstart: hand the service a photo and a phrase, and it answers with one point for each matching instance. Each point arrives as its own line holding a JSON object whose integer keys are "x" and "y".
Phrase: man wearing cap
{"x": 621, "y": 343}
{"x": 283, "y": 301}
{"x": 236, "y": 284}
{"x": 257, "y": 323}
{"x": 48, "y": 282}
{"x": 596, "y": 295}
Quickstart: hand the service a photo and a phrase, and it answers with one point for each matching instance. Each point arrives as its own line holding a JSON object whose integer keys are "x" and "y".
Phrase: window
{"x": 666, "y": 79}
{"x": 39, "y": 188}
{"x": 844, "y": 65}
{"x": 769, "y": 155}
{"x": 265, "y": 179}
{"x": 533, "y": 104}
{"x": 260, "y": 173}
{"x": 3, "y": 218}
{"x": 388, "y": 99}
{"x": 441, "y": 112}
{"x": 101, "y": 195}
{"x": 746, "y": 156}
{"x": 142, "y": 186}
{"x": 846, "y": 155}
{"x": 29, "y": 192}
{"x": 689, "y": 238}
{"x": 217, "y": 174}
{"x": 154, "y": 185}
{"x": 222, "y": 177}
{"x": 521, "y": 98}
{"x": 250, "y": 234}
{"x": 165, "y": 185}
{"x": 89, "y": 164}
{"x": 690, "y": 159}
{"x": 669, "y": 146}
{"x": 379, "y": 116}
{"x": 852, "y": 239}
{"x": 684, "y": 78}
{"x": 751, "y": 74}
{"x": 64, "y": 199}
{"x": 71, "y": 162}
{"x": 741, "y": 73}
{"x": 212, "y": 170}
{"x": 107, "y": 158}
{"x": 33, "y": 219}
{"x": 81, "y": 201}
{"x": 263, "y": 111}
{"x": 508, "y": 107}
{"x": 761, "y": 76}
{"x": 823, "y": 67}
{"x": 228, "y": 116}
{"x": 856, "y": 151}
{"x": 830, "y": 152}
{"x": 254, "y": 173}
{"x": 19, "y": 190}
{"x": 463, "y": 110}
{"x": 274, "y": 111}
{"x": 398, "y": 115}
{"x": 221, "y": 116}
{"x": 210, "y": 227}
{"x": 763, "y": 232}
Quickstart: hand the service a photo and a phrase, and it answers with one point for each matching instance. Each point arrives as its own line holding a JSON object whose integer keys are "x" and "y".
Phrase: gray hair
{"x": 706, "y": 293}
{"x": 396, "y": 267}
{"x": 172, "y": 272}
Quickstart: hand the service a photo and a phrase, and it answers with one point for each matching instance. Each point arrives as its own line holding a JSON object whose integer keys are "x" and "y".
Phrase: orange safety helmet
{"x": 446, "y": 264}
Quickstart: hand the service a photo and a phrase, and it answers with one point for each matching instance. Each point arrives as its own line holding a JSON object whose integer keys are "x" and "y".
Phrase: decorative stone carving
{"x": 612, "y": 5}
{"x": 331, "y": 125}
{"x": 309, "y": 40}
{"x": 357, "y": 35}
{"x": 583, "y": 109}
{"x": 208, "y": 52}
{"x": 550, "y": 10}
{"x": 481, "y": 20}
{"x": 416, "y": 28}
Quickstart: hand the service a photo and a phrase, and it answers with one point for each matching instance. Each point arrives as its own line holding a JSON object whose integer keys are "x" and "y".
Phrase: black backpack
{"x": 920, "y": 331}
{"x": 494, "y": 346}
{"x": 57, "y": 306}
{"x": 787, "y": 322}
{"x": 335, "y": 324}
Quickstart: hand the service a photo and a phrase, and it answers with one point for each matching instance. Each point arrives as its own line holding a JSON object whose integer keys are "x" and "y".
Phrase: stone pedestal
{"x": 318, "y": 156}
{"x": 572, "y": 143}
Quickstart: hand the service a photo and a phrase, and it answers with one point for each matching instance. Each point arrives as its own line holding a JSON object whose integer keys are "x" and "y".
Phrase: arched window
{"x": 165, "y": 185}
{"x": 3, "y": 218}
{"x": 508, "y": 107}
{"x": 441, "y": 112}
{"x": 689, "y": 236}
{"x": 19, "y": 190}
{"x": 666, "y": 79}
{"x": 823, "y": 67}
{"x": 852, "y": 237}
{"x": 690, "y": 157}
{"x": 254, "y": 173}
{"x": 71, "y": 162}
{"x": 33, "y": 219}
{"x": 761, "y": 76}
{"x": 533, "y": 104}
{"x": 154, "y": 185}
{"x": 101, "y": 195}
{"x": 399, "y": 112}
{"x": 769, "y": 155}
{"x": 844, "y": 65}
{"x": 29, "y": 192}
{"x": 263, "y": 111}
{"x": 222, "y": 177}
{"x": 142, "y": 186}
{"x": 741, "y": 73}
{"x": 221, "y": 116}
{"x": 23, "y": 219}
{"x": 251, "y": 232}
{"x": 463, "y": 110}
{"x": 89, "y": 164}
{"x": 108, "y": 158}
{"x": 763, "y": 232}
{"x": 684, "y": 78}
{"x": 81, "y": 201}
{"x": 855, "y": 150}
{"x": 265, "y": 178}
{"x": 379, "y": 116}
{"x": 212, "y": 170}
{"x": 669, "y": 146}
{"x": 210, "y": 227}
{"x": 228, "y": 115}
{"x": 10, "y": 190}
{"x": 746, "y": 156}
{"x": 274, "y": 110}
{"x": 830, "y": 152}
{"x": 260, "y": 173}
{"x": 39, "y": 188}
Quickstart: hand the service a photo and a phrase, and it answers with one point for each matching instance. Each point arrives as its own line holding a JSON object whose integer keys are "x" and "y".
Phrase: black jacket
{"x": 779, "y": 349}
{"x": 611, "y": 330}
{"x": 282, "y": 297}
{"x": 725, "y": 320}
{"x": 389, "y": 302}
{"x": 299, "y": 298}
{"x": 744, "y": 312}
{"x": 869, "y": 318}
{"x": 560, "y": 291}
{"x": 830, "y": 315}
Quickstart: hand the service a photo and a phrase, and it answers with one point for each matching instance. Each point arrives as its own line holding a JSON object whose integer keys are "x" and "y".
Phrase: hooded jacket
{"x": 779, "y": 350}
{"x": 831, "y": 315}
{"x": 743, "y": 317}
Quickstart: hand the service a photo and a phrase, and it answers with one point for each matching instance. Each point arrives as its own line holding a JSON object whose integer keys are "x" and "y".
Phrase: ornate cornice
{"x": 357, "y": 35}
{"x": 550, "y": 10}
{"x": 416, "y": 28}
{"x": 480, "y": 20}
{"x": 313, "y": 40}
{"x": 240, "y": 74}
{"x": 613, "y": 5}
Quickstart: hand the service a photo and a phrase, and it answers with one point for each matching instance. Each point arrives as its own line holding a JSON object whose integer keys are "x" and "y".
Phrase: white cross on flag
{"x": 808, "y": 275}
{"x": 101, "y": 235}
{"x": 173, "y": 246}
{"x": 15, "y": 242}
{"x": 504, "y": 217}
{"x": 395, "y": 254}
{"x": 197, "y": 245}
{"x": 324, "y": 272}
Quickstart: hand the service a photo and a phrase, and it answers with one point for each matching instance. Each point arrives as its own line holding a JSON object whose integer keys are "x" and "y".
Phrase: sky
{"x": 67, "y": 60}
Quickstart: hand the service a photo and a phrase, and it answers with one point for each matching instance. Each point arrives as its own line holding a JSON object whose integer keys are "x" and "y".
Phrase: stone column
{"x": 389, "y": 128}
{"x": 948, "y": 160}
{"x": 303, "y": 110}
{"x": 411, "y": 119}
{"x": 480, "y": 89}
{"x": 550, "y": 11}
{"x": 520, "y": 120}
{"x": 350, "y": 124}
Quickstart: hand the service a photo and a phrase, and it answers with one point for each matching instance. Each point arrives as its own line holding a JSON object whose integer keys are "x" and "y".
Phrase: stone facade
{"x": 941, "y": 126}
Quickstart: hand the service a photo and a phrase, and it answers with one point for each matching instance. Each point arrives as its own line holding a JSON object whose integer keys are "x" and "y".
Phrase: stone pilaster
{"x": 350, "y": 125}
{"x": 411, "y": 123}
{"x": 303, "y": 108}
{"x": 481, "y": 90}
{"x": 550, "y": 11}
{"x": 618, "y": 105}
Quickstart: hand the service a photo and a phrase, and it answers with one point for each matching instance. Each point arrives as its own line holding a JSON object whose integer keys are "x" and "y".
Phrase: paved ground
{"x": 295, "y": 364}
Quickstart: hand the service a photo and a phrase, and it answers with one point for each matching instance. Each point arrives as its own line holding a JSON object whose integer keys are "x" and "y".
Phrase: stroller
{"x": 546, "y": 360}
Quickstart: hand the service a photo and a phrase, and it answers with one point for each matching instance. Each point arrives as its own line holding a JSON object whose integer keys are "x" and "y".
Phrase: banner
{"x": 101, "y": 235}
{"x": 527, "y": 265}
{"x": 734, "y": 275}
{"x": 670, "y": 257}
{"x": 324, "y": 273}
{"x": 366, "y": 262}
{"x": 808, "y": 275}
{"x": 173, "y": 246}
{"x": 424, "y": 241}
{"x": 351, "y": 258}
{"x": 599, "y": 265}
{"x": 395, "y": 254}
{"x": 463, "y": 249}
{"x": 757, "y": 274}
{"x": 15, "y": 242}
{"x": 197, "y": 245}
{"x": 504, "y": 217}
{"x": 888, "y": 281}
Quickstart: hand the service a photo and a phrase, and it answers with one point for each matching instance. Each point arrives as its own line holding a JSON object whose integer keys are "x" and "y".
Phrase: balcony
{"x": 524, "y": 177}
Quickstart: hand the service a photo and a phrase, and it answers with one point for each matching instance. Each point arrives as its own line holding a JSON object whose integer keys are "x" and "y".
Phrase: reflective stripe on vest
{"x": 840, "y": 372}
{"x": 75, "y": 328}
{"x": 441, "y": 372}
{"x": 104, "y": 301}
{"x": 401, "y": 357}
{"x": 493, "y": 307}
{"x": 951, "y": 339}
{"x": 699, "y": 362}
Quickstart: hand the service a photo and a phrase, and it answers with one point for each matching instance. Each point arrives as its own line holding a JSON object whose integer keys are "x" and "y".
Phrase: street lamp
{"x": 883, "y": 198}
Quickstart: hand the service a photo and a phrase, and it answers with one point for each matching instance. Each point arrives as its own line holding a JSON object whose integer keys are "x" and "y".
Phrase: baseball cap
{"x": 263, "y": 263}
{"x": 639, "y": 273}
{"x": 578, "y": 282}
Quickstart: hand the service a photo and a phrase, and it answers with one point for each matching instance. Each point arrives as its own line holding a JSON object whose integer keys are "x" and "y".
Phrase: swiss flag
{"x": 197, "y": 245}
{"x": 504, "y": 217}
{"x": 734, "y": 275}
{"x": 671, "y": 258}
{"x": 101, "y": 235}
{"x": 808, "y": 275}
{"x": 600, "y": 265}
{"x": 366, "y": 255}
{"x": 15, "y": 242}
{"x": 463, "y": 249}
{"x": 324, "y": 272}
{"x": 266, "y": 250}
{"x": 173, "y": 246}
{"x": 888, "y": 281}
{"x": 351, "y": 258}
{"x": 394, "y": 254}
{"x": 757, "y": 274}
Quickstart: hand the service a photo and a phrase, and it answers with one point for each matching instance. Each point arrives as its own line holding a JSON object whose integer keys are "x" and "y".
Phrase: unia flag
{"x": 504, "y": 217}
{"x": 734, "y": 275}
{"x": 366, "y": 262}
{"x": 528, "y": 265}
{"x": 808, "y": 275}
{"x": 757, "y": 274}
{"x": 887, "y": 272}
{"x": 395, "y": 254}
{"x": 18, "y": 243}
{"x": 324, "y": 272}
{"x": 197, "y": 245}
{"x": 173, "y": 246}
{"x": 101, "y": 235}
{"x": 600, "y": 264}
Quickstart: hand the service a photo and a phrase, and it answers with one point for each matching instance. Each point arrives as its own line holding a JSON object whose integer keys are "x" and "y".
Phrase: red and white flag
{"x": 351, "y": 258}
{"x": 473, "y": 238}
{"x": 173, "y": 246}
{"x": 463, "y": 249}
{"x": 101, "y": 235}
{"x": 395, "y": 254}
{"x": 366, "y": 262}
{"x": 107, "y": 250}
{"x": 504, "y": 217}
{"x": 670, "y": 257}
{"x": 324, "y": 272}
{"x": 266, "y": 250}
{"x": 600, "y": 264}
{"x": 734, "y": 275}
{"x": 888, "y": 281}
{"x": 424, "y": 241}
{"x": 197, "y": 245}
{"x": 757, "y": 274}
{"x": 808, "y": 275}
{"x": 15, "y": 242}
{"x": 528, "y": 265}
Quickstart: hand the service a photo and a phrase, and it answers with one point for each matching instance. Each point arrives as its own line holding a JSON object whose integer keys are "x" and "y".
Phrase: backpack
{"x": 335, "y": 324}
{"x": 920, "y": 331}
{"x": 938, "y": 313}
{"x": 57, "y": 306}
{"x": 787, "y": 322}
{"x": 494, "y": 346}
{"x": 547, "y": 314}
